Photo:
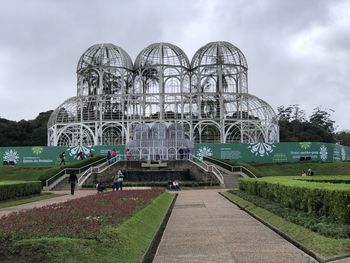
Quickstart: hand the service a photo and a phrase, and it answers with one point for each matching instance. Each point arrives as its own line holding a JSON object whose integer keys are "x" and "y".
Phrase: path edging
{"x": 279, "y": 232}
{"x": 152, "y": 249}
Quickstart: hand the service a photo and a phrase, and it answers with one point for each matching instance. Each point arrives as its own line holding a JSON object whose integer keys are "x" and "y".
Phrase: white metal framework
{"x": 207, "y": 100}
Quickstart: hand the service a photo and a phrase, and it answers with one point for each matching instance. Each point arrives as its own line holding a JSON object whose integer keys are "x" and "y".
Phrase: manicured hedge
{"x": 14, "y": 189}
{"x": 322, "y": 199}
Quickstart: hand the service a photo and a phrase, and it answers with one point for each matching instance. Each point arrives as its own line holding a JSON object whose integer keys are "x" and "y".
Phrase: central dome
{"x": 161, "y": 54}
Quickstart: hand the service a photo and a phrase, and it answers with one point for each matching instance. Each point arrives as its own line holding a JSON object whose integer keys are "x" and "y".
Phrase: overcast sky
{"x": 298, "y": 51}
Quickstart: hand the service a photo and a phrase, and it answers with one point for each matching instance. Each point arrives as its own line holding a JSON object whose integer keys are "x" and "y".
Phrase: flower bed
{"x": 78, "y": 218}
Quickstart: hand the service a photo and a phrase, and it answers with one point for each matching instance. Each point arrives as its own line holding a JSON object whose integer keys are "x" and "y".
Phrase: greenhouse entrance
{"x": 159, "y": 141}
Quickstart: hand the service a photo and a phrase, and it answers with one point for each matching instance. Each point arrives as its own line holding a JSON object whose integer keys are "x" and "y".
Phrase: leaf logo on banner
{"x": 204, "y": 151}
{"x": 261, "y": 148}
{"x": 323, "y": 153}
{"x": 37, "y": 150}
{"x": 343, "y": 154}
{"x": 10, "y": 156}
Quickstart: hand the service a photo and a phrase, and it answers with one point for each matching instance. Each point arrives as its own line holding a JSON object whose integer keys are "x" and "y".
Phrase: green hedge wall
{"x": 322, "y": 199}
{"x": 9, "y": 190}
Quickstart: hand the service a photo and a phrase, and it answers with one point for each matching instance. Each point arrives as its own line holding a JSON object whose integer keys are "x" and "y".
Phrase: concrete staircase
{"x": 62, "y": 185}
{"x": 231, "y": 179}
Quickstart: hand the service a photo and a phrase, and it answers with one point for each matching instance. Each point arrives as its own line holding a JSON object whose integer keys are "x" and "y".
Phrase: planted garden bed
{"x": 89, "y": 229}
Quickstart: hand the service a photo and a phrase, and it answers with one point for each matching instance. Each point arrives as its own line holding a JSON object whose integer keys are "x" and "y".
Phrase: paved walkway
{"x": 205, "y": 227}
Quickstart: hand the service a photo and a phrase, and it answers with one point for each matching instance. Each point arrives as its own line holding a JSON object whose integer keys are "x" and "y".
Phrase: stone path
{"x": 205, "y": 227}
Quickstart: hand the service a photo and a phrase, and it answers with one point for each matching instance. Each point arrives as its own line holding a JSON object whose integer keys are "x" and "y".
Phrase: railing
{"x": 208, "y": 168}
{"x": 231, "y": 168}
{"x": 99, "y": 169}
{"x": 194, "y": 159}
{"x": 79, "y": 170}
{"x": 217, "y": 173}
{"x": 162, "y": 156}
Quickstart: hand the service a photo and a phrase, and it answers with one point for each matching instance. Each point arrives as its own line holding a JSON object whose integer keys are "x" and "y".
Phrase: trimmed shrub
{"x": 321, "y": 199}
{"x": 9, "y": 190}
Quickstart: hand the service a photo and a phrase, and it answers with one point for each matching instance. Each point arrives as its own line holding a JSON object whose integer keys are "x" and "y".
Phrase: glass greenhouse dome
{"x": 162, "y": 102}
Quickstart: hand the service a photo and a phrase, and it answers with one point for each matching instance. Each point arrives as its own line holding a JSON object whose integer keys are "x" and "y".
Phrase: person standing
{"x": 115, "y": 182}
{"x": 120, "y": 180}
{"x": 109, "y": 157}
{"x": 128, "y": 155}
{"x": 114, "y": 155}
{"x": 181, "y": 152}
{"x": 73, "y": 179}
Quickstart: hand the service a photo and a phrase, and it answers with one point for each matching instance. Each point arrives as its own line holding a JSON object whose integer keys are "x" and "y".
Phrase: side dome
{"x": 161, "y": 54}
{"x": 104, "y": 69}
{"x": 104, "y": 55}
{"x": 219, "y": 53}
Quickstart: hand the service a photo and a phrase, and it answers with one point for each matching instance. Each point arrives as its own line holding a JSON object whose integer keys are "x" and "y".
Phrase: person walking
{"x": 73, "y": 179}
{"x": 62, "y": 157}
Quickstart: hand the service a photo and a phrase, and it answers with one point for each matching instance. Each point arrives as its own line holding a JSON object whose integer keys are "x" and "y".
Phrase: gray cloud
{"x": 297, "y": 51}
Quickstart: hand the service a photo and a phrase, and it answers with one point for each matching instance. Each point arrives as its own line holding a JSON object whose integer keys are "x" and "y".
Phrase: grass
{"x": 27, "y": 199}
{"x": 26, "y": 173}
{"x": 21, "y": 173}
{"x": 126, "y": 242}
{"x": 295, "y": 168}
{"x": 323, "y": 246}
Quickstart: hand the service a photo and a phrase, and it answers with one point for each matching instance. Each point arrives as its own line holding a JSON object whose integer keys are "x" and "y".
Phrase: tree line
{"x": 25, "y": 133}
{"x": 295, "y": 126}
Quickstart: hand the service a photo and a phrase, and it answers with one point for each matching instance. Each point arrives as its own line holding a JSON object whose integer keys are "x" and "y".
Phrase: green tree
{"x": 25, "y": 133}
{"x": 295, "y": 127}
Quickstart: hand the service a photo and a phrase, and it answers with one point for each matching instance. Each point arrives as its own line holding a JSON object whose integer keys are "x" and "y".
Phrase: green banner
{"x": 48, "y": 156}
{"x": 258, "y": 152}
{"x": 275, "y": 152}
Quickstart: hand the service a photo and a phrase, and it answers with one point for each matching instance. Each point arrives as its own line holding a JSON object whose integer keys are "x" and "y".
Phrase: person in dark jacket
{"x": 73, "y": 179}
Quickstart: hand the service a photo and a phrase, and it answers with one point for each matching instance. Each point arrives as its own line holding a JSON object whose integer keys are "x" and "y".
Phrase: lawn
{"x": 295, "y": 169}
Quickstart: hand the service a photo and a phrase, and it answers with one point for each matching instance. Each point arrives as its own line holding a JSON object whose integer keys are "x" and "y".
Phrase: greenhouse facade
{"x": 162, "y": 102}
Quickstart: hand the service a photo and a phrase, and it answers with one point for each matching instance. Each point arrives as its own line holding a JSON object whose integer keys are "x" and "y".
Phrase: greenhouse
{"x": 162, "y": 102}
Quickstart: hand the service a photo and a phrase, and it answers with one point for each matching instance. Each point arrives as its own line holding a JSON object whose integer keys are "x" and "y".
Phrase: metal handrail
{"x": 231, "y": 168}
{"x": 64, "y": 171}
{"x": 208, "y": 168}
{"x": 99, "y": 168}
{"x": 197, "y": 161}
{"x": 217, "y": 173}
